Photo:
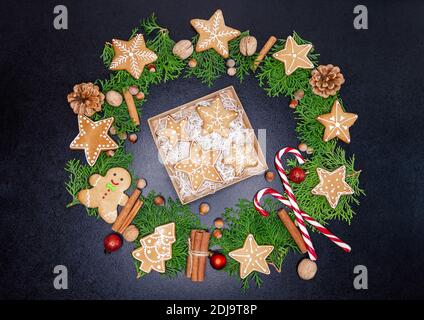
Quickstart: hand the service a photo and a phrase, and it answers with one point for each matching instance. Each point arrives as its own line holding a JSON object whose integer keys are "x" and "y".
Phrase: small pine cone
{"x": 86, "y": 99}
{"x": 326, "y": 80}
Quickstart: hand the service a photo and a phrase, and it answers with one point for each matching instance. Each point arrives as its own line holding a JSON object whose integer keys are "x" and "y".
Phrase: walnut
{"x": 248, "y": 45}
{"x": 183, "y": 49}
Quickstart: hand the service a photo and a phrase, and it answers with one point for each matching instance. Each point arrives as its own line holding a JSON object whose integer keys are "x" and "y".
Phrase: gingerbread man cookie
{"x": 107, "y": 193}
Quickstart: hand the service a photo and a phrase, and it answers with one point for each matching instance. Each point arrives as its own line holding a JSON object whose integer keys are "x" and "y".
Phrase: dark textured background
{"x": 39, "y": 66}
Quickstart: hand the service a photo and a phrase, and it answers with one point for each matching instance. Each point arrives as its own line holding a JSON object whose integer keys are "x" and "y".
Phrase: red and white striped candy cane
{"x": 291, "y": 203}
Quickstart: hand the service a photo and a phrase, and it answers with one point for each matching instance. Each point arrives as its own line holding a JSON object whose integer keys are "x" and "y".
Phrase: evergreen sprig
{"x": 151, "y": 216}
{"x": 79, "y": 173}
{"x": 210, "y": 65}
{"x": 244, "y": 219}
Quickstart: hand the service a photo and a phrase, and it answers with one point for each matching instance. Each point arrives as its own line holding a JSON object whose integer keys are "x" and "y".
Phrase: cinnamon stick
{"x": 292, "y": 229}
{"x": 131, "y": 215}
{"x": 204, "y": 247}
{"x": 126, "y": 210}
{"x": 190, "y": 257}
{"x": 132, "y": 110}
{"x": 195, "y": 259}
{"x": 265, "y": 49}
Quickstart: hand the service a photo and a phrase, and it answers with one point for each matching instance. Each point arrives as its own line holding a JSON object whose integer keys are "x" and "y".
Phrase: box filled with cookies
{"x": 207, "y": 144}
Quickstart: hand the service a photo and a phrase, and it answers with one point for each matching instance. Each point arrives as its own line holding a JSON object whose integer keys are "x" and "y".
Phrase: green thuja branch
{"x": 151, "y": 216}
{"x": 244, "y": 219}
{"x": 210, "y": 65}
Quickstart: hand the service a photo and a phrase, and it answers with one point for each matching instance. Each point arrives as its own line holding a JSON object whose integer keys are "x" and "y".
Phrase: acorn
{"x": 204, "y": 208}
{"x": 159, "y": 200}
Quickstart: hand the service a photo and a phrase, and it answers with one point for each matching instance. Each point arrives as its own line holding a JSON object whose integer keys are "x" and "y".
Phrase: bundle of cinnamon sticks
{"x": 198, "y": 252}
{"x": 128, "y": 212}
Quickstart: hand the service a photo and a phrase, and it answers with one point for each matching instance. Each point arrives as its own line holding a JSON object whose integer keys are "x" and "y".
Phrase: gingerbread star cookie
{"x": 214, "y": 34}
{"x": 252, "y": 257}
{"x": 337, "y": 123}
{"x": 156, "y": 248}
{"x": 200, "y": 166}
{"x": 332, "y": 185}
{"x": 241, "y": 157}
{"x": 131, "y": 55}
{"x": 174, "y": 130}
{"x": 216, "y": 118}
{"x": 93, "y": 138}
{"x": 294, "y": 56}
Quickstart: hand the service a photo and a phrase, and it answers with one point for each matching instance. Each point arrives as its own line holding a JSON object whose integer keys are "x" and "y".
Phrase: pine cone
{"x": 326, "y": 80}
{"x": 86, "y": 99}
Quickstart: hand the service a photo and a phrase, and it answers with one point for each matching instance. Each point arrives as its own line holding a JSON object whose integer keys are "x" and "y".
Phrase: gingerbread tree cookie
{"x": 93, "y": 138}
{"x": 107, "y": 193}
{"x": 156, "y": 248}
{"x": 252, "y": 257}
{"x": 337, "y": 123}
{"x": 174, "y": 130}
{"x": 216, "y": 118}
{"x": 294, "y": 56}
{"x": 332, "y": 185}
{"x": 200, "y": 166}
{"x": 214, "y": 34}
{"x": 131, "y": 55}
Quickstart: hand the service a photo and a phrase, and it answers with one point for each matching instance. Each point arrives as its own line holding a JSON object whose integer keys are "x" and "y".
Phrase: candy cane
{"x": 291, "y": 203}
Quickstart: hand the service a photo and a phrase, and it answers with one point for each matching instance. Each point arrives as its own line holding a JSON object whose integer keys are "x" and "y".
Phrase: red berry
{"x": 297, "y": 175}
{"x": 112, "y": 242}
{"x": 218, "y": 261}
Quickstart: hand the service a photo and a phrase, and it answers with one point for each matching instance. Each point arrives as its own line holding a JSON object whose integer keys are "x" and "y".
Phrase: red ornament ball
{"x": 112, "y": 243}
{"x": 218, "y": 261}
{"x": 297, "y": 175}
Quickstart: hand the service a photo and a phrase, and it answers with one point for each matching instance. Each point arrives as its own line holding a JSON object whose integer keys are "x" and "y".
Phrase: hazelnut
{"x": 293, "y": 104}
{"x": 114, "y": 98}
{"x": 110, "y": 153}
{"x": 133, "y": 90}
{"x": 151, "y": 67}
{"x": 217, "y": 234}
{"x": 269, "y": 176}
{"x": 204, "y": 208}
{"x": 141, "y": 183}
{"x": 309, "y": 150}
{"x": 132, "y": 138}
{"x": 112, "y": 130}
{"x": 248, "y": 45}
{"x": 130, "y": 234}
{"x": 219, "y": 223}
{"x": 302, "y": 147}
{"x": 139, "y": 96}
{"x": 192, "y": 63}
{"x": 230, "y": 63}
{"x": 231, "y": 71}
{"x": 159, "y": 200}
{"x": 183, "y": 49}
{"x": 307, "y": 269}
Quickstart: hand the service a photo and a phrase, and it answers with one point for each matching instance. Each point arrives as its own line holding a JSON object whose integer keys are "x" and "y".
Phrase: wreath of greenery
{"x": 243, "y": 218}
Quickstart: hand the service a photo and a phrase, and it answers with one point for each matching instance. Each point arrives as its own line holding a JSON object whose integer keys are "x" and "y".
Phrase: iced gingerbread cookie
{"x": 107, "y": 193}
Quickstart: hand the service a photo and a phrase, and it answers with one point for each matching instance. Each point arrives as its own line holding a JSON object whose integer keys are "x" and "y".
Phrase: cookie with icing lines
{"x": 107, "y": 193}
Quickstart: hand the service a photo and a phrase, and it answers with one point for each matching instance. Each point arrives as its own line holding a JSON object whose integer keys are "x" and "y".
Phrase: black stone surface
{"x": 39, "y": 65}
